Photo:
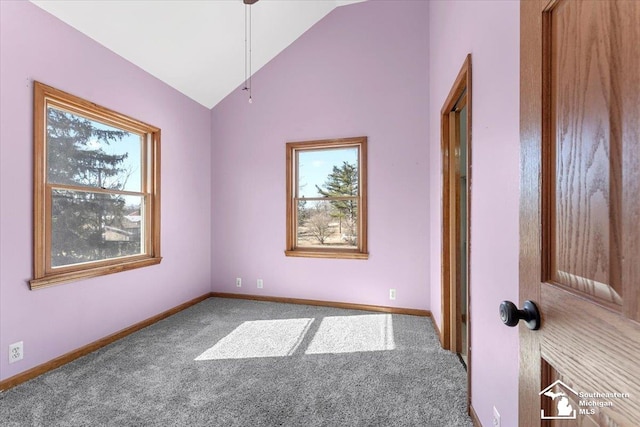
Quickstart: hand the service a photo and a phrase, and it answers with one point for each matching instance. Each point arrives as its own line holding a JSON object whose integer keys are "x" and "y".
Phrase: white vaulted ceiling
{"x": 195, "y": 46}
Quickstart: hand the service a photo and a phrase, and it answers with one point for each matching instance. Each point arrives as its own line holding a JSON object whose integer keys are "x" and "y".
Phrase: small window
{"x": 96, "y": 190}
{"x": 327, "y": 198}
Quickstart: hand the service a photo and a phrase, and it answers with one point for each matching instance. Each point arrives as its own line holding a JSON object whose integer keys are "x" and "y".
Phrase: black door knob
{"x": 510, "y": 315}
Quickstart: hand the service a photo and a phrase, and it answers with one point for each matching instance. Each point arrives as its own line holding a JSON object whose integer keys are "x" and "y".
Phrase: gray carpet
{"x": 242, "y": 363}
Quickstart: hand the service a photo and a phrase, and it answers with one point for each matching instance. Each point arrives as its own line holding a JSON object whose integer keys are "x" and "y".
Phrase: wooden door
{"x": 580, "y": 212}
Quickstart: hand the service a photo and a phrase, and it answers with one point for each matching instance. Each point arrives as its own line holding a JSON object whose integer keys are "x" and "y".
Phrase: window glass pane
{"x": 328, "y": 172}
{"x": 327, "y": 224}
{"x": 84, "y": 152}
{"x": 88, "y": 226}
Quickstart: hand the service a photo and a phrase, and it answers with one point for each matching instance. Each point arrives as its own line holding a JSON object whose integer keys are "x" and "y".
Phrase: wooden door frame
{"x": 530, "y": 200}
{"x": 450, "y": 337}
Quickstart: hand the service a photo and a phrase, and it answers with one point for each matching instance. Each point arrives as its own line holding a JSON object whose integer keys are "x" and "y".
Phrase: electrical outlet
{"x": 260, "y": 284}
{"x": 16, "y": 352}
{"x": 392, "y": 294}
{"x": 238, "y": 282}
{"x": 496, "y": 417}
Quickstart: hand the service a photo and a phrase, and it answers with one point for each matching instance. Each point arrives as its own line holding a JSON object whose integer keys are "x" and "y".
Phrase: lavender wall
{"x": 362, "y": 70}
{"x": 489, "y": 30}
{"x": 36, "y": 46}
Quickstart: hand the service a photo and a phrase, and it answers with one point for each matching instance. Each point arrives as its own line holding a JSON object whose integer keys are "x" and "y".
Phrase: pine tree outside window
{"x": 96, "y": 190}
{"x": 327, "y": 198}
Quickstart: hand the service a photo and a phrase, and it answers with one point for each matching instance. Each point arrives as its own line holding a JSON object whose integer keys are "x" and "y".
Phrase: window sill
{"x": 326, "y": 254}
{"x": 71, "y": 276}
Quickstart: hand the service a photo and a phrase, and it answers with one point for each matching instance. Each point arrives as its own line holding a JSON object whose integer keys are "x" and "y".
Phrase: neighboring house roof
{"x": 113, "y": 234}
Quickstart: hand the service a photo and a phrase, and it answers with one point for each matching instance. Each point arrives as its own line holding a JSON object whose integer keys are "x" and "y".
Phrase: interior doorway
{"x": 456, "y": 167}
{"x": 462, "y": 203}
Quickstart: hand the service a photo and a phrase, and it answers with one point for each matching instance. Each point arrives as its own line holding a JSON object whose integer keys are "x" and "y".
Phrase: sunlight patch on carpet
{"x": 260, "y": 338}
{"x": 350, "y": 334}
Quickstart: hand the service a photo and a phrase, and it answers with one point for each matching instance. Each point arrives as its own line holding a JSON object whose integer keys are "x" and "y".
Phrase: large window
{"x": 96, "y": 190}
{"x": 327, "y": 198}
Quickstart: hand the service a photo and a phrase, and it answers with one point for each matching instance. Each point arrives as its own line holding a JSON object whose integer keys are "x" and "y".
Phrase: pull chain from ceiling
{"x": 247, "y": 50}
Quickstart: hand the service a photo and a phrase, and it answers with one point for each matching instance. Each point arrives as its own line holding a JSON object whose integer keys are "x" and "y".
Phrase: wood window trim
{"x": 291, "y": 181}
{"x": 43, "y": 274}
